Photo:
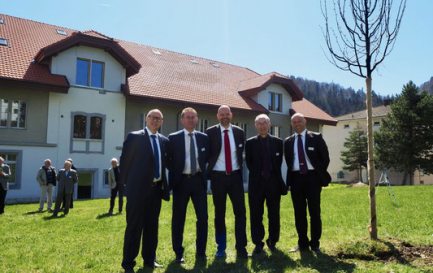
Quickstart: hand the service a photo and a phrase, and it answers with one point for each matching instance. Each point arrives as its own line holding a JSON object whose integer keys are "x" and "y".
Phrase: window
{"x": 275, "y": 102}
{"x": 346, "y": 126}
{"x": 275, "y": 130}
{"x": 87, "y": 132}
{"x": 242, "y": 125}
{"x": 90, "y": 73}
{"x": 11, "y": 160}
{"x": 105, "y": 177}
{"x": 203, "y": 125}
{"x": 12, "y": 114}
{"x": 3, "y": 42}
{"x": 376, "y": 123}
{"x": 61, "y": 32}
{"x": 87, "y": 126}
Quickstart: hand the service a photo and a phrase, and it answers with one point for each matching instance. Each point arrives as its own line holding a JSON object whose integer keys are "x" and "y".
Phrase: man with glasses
{"x": 142, "y": 164}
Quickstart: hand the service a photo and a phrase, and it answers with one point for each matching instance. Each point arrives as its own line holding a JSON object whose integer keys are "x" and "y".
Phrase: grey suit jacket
{"x": 66, "y": 182}
{"x": 5, "y": 178}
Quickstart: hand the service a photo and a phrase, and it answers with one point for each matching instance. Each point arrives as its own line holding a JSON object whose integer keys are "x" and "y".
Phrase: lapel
{"x": 198, "y": 145}
{"x": 147, "y": 147}
{"x": 219, "y": 141}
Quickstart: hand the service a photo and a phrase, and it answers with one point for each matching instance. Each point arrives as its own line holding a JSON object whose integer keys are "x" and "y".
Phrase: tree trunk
{"x": 360, "y": 175}
{"x": 370, "y": 163}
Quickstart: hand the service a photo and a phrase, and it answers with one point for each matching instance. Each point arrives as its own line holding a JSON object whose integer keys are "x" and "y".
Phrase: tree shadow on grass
{"x": 325, "y": 263}
{"x": 276, "y": 262}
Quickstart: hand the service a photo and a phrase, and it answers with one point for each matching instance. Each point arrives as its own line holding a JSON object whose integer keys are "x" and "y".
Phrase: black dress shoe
{"x": 180, "y": 260}
{"x": 271, "y": 245}
{"x": 200, "y": 257}
{"x": 257, "y": 251}
{"x": 316, "y": 250}
{"x": 243, "y": 254}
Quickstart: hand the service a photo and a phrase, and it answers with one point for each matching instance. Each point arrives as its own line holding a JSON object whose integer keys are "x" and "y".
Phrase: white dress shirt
{"x": 153, "y": 148}
{"x": 187, "y": 167}
{"x": 295, "y": 166}
{"x": 220, "y": 164}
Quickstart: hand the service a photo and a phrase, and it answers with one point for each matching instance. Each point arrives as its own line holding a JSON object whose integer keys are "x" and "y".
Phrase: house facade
{"x": 71, "y": 94}
{"x": 335, "y": 137}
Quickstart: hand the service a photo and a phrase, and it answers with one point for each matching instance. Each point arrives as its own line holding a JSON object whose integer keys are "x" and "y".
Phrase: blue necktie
{"x": 155, "y": 158}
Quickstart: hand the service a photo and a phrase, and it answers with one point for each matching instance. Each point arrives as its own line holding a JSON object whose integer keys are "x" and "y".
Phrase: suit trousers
{"x": 305, "y": 191}
{"x": 264, "y": 190}
{"x": 194, "y": 188}
{"x": 142, "y": 215}
{"x": 118, "y": 189}
{"x": 231, "y": 185}
{"x": 63, "y": 199}
{"x": 46, "y": 195}
{"x": 2, "y": 199}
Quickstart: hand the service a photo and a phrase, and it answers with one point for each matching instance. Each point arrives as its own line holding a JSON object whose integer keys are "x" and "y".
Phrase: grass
{"x": 87, "y": 240}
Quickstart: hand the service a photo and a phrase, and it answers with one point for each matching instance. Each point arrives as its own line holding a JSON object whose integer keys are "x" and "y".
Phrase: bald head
{"x": 299, "y": 123}
{"x": 224, "y": 115}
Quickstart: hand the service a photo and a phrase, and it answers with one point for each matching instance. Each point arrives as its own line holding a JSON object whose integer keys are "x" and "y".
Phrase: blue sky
{"x": 272, "y": 35}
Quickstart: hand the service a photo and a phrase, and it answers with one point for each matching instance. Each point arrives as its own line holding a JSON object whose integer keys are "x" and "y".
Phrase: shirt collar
{"x": 150, "y": 132}
{"x": 303, "y": 133}
{"x": 186, "y": 132}
{"x": 222, "y": 128}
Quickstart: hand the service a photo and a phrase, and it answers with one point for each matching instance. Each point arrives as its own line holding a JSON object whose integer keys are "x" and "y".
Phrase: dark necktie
{"x": 155, "y": 158}
{"x": 192, "y": 154}
{"x": 227, "y": 152}
{"x": 303, "y": 168}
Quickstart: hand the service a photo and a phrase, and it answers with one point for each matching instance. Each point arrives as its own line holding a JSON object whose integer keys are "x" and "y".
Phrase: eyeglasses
{"x": 155, "y": 118}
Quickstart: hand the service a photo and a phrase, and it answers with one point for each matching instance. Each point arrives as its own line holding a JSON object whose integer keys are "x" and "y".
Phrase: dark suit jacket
{"x": 253, "y": 159}
{"x": 136, "y": 165}
{"x": 66, "y": 183}
{"x": 215, "y": 144}
{"x": 176, "y": 156}
{"x": 317, "y": 152}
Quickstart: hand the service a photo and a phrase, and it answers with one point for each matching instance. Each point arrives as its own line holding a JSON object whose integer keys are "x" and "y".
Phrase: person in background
{"x": 46, "y": 178}
{"x": 115, "y": 185}
{"x": 5, "y": 173}
{"x": 66, "y": 178}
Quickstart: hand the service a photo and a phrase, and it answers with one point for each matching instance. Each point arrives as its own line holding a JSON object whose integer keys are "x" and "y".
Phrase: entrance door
{"x": 84, "y": 187}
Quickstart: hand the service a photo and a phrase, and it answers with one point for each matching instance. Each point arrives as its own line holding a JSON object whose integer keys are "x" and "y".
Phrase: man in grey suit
{"x": 142, "y": 166}
{"x": 67, "y": 177}
{"x": 5, "y": 173}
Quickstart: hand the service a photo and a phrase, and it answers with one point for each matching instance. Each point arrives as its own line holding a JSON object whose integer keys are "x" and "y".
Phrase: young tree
{"x": 405, "y": 139}
{"x": 355, "y": 155}
{"x": 359, "y": 38}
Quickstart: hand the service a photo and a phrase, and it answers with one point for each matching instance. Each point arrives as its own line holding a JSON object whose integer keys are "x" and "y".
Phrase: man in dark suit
{"x": 142, "y": 164}
{"x": 264, "y": 155}
{"x": 307, "y": 161}
{"x": 5, "y": 173}
{"x": 188, "y": 154}
{"x": 67, "y": 177}
{"x": 225, "y": 170}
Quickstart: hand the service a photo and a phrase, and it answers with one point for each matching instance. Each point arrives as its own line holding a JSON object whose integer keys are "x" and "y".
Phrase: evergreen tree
{"x": 405, "y": 139}
{"x": 355, "y": 155}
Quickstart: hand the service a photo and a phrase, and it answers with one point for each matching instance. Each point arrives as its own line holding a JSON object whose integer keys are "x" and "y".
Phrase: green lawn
{"x": 89, "y": 241}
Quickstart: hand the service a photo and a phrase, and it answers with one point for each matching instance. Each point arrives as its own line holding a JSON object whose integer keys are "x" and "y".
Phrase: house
{"x": 71, "y": 94}
{"x": 335, "y": 137}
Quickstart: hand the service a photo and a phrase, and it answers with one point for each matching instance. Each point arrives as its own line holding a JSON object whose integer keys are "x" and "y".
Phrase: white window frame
{"x": 9, "y": 113}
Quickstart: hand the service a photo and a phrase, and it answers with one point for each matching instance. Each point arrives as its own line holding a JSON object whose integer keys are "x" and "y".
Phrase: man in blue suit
{"x": 188, "y": 155}
{"x": 142, "y": 166}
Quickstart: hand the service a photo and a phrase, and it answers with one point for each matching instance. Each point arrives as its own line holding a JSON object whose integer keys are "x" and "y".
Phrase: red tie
{"x": 227, "y": 152}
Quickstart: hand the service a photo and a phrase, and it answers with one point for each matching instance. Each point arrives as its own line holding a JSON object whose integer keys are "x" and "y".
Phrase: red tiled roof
{"x": 163, "y": 75}
{"x": 312, "y": 112}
